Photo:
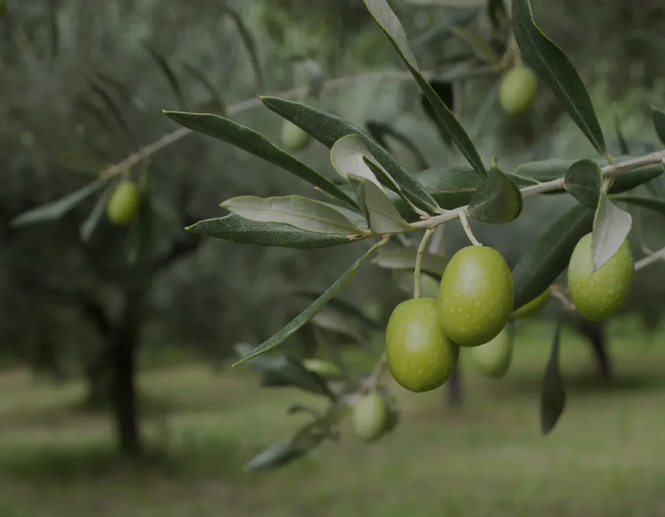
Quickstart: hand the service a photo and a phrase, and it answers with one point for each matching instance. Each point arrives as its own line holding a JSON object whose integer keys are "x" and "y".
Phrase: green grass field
{"x": 606, "y": 458}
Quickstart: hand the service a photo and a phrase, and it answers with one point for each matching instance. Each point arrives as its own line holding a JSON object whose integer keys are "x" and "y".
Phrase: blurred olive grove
{"x": 83, "y": 85}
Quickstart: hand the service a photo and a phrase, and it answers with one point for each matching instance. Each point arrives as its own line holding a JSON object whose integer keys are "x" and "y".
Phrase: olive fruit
{"x": 534, "y": 306}
{"x": 475, "y": 296}
{"x": 370, "y": 416}
{"x": 494, "y": 357}
{"x": 599, "y": 294}
{"x": 294, "y": 138}
{"x": 123, "y": 204}
{"x": 420, "y": 356}
{"x": 517, "y": 90}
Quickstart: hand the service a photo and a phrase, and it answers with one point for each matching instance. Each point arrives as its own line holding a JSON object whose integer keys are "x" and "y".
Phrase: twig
{"x": 467, "y": 229}
{"x": 436, "y": 242}
{"x": 417, "y": 284}
{"x": 651, "y": 259}
{"x": 559, "y": 292}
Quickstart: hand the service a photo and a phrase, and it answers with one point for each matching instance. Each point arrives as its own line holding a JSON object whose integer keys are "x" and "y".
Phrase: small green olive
{"x": 420, "y": 356}
{"x": 475, "y": 296}
{"x": 517, "y": 90}
{"x": 534, "y": 306}
{"x": 599, "y": 294}
{"x": 123, "y": 203}
{"x": 494, "y": 357}
{"x": 370, "y": 416}
{"x": 294, "y": 138}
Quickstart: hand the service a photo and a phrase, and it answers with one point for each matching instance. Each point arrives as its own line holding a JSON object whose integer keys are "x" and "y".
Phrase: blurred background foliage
{"x": 80, "y": 91}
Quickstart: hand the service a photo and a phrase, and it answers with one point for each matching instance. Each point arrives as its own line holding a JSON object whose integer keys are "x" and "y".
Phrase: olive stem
{"x": 651, "y": 259}
{"x": 417, "y": 284}
{"x": 559, "y": 292}
{"x": 437, "y": 240}
{"x": 467, "y": 228}
{"x": 373, "y": 380}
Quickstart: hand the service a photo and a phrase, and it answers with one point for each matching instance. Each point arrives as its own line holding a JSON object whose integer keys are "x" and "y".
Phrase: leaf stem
{"x": 467, "y": 229}
{"x": 417, "y": 284}
{"x": 651, "y": 259}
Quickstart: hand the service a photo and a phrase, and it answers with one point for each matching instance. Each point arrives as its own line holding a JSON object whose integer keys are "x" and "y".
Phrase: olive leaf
{"x": 91, "y": 222}
{"x": 391, "y": 26}
{"x": 610, "y": 228}
{"x": 81, "y": 161}
{"x": 658, "y": 117}
{"x": 556, "y": 70}
{"x": 169, "y": 74}
{"x": 298, "y": 211}
{"x": 650, "y": 203}
{"x": 341, "y": 306}
{"x": 347, "y": 158}
{"x": 382, "y": 216}
{"x": 553, "y": 394}
{"x": 496, "y": 200}
{"x": 237, "y": 229}
{"x": 286, "y": 369}
{"x": 56, "y": 209}
{"x": 405, "y": 259}
{"x": 113, "y": 109}
{"x": 444, "y": 90}
{"x": 328, "y": 129}
{"x": 392, "y": 140}
{"x": 584, "y": 181}
{"x": 481, "y": 48}
{"x": 311, "y": 311}
{"x": 546, "y": 258}
{"x": 621, "y": 139}
{"x": 496, "y": 10}
{"x": 333, "y": 320}
{"x": 248, "y": 41}
{"x": 215, "y": 98}
{"x": 253, "y": 142}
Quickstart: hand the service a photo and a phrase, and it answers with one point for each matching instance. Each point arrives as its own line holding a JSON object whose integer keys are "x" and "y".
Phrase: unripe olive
{"x": 599, "y": 294}
{"x": 517, "y": 90}
{"x": 420, "y": 356}
{"x": 475, "y": 296}
{"x": 123, "y": 204}
{"x": 370, "y": 416}
{"x": 534, "y": 306}
{"x": 294, "y": 139}
{"x": 494, "y": 357}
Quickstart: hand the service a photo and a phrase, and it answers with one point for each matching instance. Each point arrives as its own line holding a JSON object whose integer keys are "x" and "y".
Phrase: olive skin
{"x": 599, "y": 294}
{"x": 123, "y": 204}
{"x": 370, "y": 416}
{"x": 493, "y": 358}
{"x": 475, "y": 296}
{"x": 534, "y": 306}
{"x": 294, "y": 139}
{"x": 517, "y": 90}
{"x": 420, "y": 356}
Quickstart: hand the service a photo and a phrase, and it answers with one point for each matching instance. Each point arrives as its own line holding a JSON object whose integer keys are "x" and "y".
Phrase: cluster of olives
{"x": 475, "y": 303}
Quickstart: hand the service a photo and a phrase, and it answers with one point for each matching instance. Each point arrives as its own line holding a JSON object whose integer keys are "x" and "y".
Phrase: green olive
{"x": 517, "y": 90}
{"x": 475, "y": 296}
{"x": 123, "y": 204}
{"x": 599, "y": 294}
{"x": 294, "y": 138}
{"x": 534, "y": 306}
{"x": 420, "y": 356}
{"x": 370, "y": 416}
{"x": 494, "y": 357}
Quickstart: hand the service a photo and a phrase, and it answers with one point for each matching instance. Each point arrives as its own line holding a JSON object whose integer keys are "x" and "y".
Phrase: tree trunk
{"x": 453, "y": 389}
{"x": 122, "y": 355}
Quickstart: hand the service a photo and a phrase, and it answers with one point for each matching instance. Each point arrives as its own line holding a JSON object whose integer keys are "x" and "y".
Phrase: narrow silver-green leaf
{"x": 650, "y": 203}
{"x": 391, "y": 26}
{"x": 584, "y": 181}
{"x": 248, "y": 41}
{"x": 298, "y": 211}
{"x": 481, "y": 48}
{"x": 89, "y": 225}
{"x": 347, "y": 158}
{"x": 328, "y": 129}
{"x": 548, "y": 256}
{"x": 405, "y": 259}
{"x": 497, "y": 200}
{"x": 658, "y": 117}
{"x": 243, "y": 231}
{"x": 553, "y": 395}
{"x": 311, "y": 311}
{"x": 556, "y": 70}
{"x": 610, "y": 228}
{"x": 398, "y": 144}
{"x": 253, "y": 142}
{"x": 382, "y": 216}
{"x": 169, "y": 74}
{"x": 624, "y": 148}
{"x": 56, "y": 209}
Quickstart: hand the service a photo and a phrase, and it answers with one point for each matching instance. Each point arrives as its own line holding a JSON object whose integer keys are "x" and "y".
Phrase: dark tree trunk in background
{"x": 122, "y": 347}
{"x": 595, "y": 333}
{"x": 453, "y": 389}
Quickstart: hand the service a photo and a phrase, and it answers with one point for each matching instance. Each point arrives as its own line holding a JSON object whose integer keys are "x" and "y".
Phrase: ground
{"x": 604, "y": 459}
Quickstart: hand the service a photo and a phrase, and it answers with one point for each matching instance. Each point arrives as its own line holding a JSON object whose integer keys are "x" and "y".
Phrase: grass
{"x": 485, "y": 459}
